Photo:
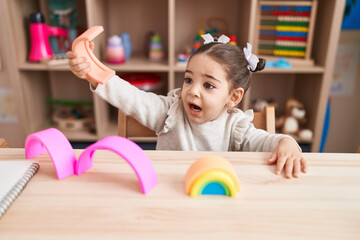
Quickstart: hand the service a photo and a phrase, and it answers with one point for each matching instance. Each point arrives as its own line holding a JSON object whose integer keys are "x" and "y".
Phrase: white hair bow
{"x": 209, "y": 39}
{"x": 251, "y": 58}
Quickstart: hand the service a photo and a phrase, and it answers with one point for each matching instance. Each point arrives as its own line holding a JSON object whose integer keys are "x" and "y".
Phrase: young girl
{"x": 202, "y": 115}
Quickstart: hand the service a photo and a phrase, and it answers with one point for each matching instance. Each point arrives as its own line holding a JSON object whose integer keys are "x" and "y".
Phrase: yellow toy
{"x": 211, "y": 175}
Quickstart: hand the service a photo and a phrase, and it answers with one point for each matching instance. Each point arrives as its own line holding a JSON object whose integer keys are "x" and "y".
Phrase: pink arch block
{"x": 57, "y": 145}
{"x": 128, "y": 150}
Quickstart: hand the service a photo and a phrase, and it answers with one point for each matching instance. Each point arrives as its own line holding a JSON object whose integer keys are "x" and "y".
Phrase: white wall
{"x": 344, "y": 130}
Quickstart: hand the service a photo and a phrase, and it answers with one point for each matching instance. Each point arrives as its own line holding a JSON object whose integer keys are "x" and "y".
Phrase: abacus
{"x": 285, "y": 29}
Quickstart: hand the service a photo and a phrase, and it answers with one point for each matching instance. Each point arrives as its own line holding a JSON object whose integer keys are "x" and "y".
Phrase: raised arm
{"x": 146, "y": 107}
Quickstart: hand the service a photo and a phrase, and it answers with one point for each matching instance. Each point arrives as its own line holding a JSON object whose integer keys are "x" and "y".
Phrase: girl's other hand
{"x": 288, "y": 157}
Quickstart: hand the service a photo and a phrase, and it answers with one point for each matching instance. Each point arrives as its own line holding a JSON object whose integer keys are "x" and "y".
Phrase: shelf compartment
{"x": 80, "y": 136}
{"x": 180, "y": 67}
{"x": 28, "y": 66}
{"x": 136, "y": 63}
{"x": 294, "y": 69}
{"x": 193, "y": 16}
{"x": 138, "y": 18}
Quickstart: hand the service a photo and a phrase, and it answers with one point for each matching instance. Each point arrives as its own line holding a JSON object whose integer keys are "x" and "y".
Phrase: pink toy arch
{"x": 128, "y": 150}
{"x": 57, "y": 145}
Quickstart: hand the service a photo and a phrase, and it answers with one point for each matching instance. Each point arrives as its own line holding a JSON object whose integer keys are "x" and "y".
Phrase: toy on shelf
{"x": 63, "y": 15}
{"x": 260, "y": 104}
{"x": 73, "y": 119}
{"x": 293, "y": 121}
{"x": 278, "y": 63}
{"x": 216, "y": 27}
{"x": 81, "y": 45}
{"x": 115, "y": 53}
{"x": 54, "y": 142}
{"x": 126, "y": 42}
{"x": 56, "y": 60}
{"x": 233, "y": 40}
{"x": 71, "y": 115}
{"x": 286, "y": 29}
{"x": 211, "y": 175}
{"x": 184, "y": 56}
{"x": 197, "y": 41}
{"x": 150, "y": 82}
{"x": 156, "y": 52}
{"x": 39, "y": 34}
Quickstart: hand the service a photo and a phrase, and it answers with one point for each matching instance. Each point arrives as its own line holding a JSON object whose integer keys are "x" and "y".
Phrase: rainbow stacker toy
{"x": 211, "y": 175}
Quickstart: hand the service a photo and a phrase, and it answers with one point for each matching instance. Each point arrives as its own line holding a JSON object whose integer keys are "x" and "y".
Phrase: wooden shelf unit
{"x": 177, "y": 22}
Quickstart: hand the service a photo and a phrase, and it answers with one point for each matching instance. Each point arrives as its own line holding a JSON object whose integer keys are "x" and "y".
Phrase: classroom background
{"x": 312, "y": 48}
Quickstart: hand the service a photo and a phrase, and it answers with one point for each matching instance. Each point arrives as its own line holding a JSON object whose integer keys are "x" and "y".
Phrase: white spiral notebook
{"x": 14, "y": 175}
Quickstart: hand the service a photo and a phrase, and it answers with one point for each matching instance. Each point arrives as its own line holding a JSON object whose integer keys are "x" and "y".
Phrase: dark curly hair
{"x": 233, "y": 60}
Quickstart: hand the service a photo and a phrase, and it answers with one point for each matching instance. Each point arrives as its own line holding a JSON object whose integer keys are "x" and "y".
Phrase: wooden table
{"x": 106, "y": 202}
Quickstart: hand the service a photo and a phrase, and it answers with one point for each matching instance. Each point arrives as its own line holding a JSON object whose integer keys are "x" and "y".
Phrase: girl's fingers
{"x": 297, "y": 167}
{"x": 84, "y": 71}
{"x": 304, "y": 165}
{"x": 77, "y": 61}
{"x": 289, "y": 168}
{"x": 272, "y": 158}
{"x": 280, "y": 164}
{"x": 82, "y": 74}
{"x": 71, "y": 55}
{"x": 81, "y": 66}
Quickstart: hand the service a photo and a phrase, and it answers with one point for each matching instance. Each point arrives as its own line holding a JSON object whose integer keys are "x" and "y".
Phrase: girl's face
{"x": 206, "y": 90}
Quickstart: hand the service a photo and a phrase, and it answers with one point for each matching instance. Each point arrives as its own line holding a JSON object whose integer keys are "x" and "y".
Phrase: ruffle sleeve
{"x": 174, "y": 113}
{"x": 241, "y": 127}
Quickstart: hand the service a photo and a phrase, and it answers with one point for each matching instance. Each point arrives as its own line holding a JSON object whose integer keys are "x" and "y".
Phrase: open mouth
{"x": 195, "y": 108}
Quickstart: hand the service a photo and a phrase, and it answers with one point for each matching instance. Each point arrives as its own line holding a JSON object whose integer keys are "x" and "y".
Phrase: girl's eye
{"x": 188, "y": 80}
{"x": 208, "y": 85}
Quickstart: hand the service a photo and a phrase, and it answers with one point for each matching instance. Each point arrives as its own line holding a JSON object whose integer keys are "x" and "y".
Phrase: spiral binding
{"x": 17, "y": 189}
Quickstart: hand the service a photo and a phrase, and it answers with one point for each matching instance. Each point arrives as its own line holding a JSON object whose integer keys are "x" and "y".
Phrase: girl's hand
{"x": 80, "y": 66}
{"x": 288, "y": 156}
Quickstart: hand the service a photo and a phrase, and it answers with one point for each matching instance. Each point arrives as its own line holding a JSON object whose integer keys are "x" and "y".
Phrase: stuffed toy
{"x": 293, "y": 121}
{"x": 259, "y": 104}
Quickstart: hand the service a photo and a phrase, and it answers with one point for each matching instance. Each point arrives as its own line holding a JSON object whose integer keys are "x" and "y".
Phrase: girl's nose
{"x": 194, "y": 90}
